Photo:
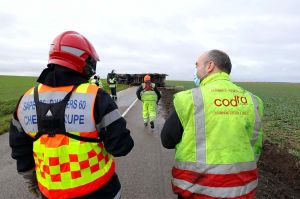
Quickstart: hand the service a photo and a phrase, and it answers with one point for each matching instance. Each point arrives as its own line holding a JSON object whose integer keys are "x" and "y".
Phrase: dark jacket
{"x": 117, "y": 140}
{"x": 140, "y": 89}
{"x": 172, "y": 131}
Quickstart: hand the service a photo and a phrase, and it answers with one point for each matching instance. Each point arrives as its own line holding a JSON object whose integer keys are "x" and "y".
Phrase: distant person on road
{"x": 96, "y": 80}
{"x": 217, "y": 134}
{"x": 112, "y": 82}
{"x": 150, "y": 96}
{"x": 65, "y": 131}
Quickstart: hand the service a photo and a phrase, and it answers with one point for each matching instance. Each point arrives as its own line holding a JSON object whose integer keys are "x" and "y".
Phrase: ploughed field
{"x": 279, "y": 165}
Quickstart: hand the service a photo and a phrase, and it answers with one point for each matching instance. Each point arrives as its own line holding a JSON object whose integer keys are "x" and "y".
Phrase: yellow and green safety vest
{"x": 112, "y": 83}
{"x": 149, "y": 95}
{"x": 93, "y": 81}
{"x": 221, "y": 141}
{"x": 67, "y": 167}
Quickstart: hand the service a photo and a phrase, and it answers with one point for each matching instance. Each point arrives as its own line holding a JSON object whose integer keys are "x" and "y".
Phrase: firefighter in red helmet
{"x": 74, "y": 51}
{"x": 61, "y": 149}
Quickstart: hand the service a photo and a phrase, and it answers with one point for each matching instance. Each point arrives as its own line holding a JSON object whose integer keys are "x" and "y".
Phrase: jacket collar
{"x": 215, "y": 77}
{"x": 56, "y": 75}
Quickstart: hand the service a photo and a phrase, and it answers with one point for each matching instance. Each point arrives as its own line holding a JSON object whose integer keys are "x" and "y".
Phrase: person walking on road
{"x": 112, "y": 81}
{"x": 96, "y": 80}
{"x": 65, "y": 131}
{"x": 150, "y": 96}
{"x": 217, "y": 134}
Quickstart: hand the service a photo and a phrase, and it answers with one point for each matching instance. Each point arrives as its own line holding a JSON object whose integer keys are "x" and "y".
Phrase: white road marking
{"x": 125, "y": 112}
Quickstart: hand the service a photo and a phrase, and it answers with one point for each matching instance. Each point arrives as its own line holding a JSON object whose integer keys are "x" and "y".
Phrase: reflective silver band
{"x": 17, "y": 124}
{"x": 74, "y": 51}
{"x": 109, "y": 118}
{"x": 257, "y": 124}
{"x": 199, "y": 119}
{"x": 217, "y": 192}
{"x": 216, "y": 168}
{"x": 118, "y": 195}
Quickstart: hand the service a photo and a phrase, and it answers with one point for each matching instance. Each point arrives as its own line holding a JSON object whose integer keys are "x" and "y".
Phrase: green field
{"x": 281, "y": 100}
{"x": 184, "y": 84}
{"x": 281, "y": 122}
{"x": 11, "y": 89}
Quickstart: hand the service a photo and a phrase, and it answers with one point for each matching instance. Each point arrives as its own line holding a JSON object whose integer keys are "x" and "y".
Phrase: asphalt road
{"x": 145, "y": 173}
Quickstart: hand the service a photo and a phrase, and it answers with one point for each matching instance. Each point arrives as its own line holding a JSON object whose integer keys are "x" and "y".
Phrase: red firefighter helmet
{"x": 72, "y": 50}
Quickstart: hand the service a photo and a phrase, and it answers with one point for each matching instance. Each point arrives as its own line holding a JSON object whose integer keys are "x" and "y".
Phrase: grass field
{"x": 184, "y": 84}
{"x": 282, "y": 113}
{"x": 281, "y": 122}
{"x": 281, "y": 100}
{"x": 11, "y": 89}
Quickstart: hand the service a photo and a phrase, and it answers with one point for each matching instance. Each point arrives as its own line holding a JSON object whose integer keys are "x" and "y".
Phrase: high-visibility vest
{"x": 148, "y": 95}
{"x": 93, "y": 81}
{"x": 112, "y": 83}
{"x": 221, "y": 142}
{"x": 67, "y": 167}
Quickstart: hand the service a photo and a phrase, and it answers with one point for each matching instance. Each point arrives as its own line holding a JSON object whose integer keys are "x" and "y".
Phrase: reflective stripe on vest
{"x": 257, "y": 125}
{"x": 148, "y": 95}
{"x": 216, "y": 168}
{"x": 66, "y": 167}
{"x": 214, "y": 180}
{"x": 112, "y": 83}
{"x": 216, "y": 192}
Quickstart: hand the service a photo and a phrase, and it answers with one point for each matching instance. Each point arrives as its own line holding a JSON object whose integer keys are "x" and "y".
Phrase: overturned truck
{"x": 137, "y": 79}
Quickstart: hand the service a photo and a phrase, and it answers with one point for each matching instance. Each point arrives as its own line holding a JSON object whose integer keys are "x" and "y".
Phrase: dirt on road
{"x": 279, "y": 171}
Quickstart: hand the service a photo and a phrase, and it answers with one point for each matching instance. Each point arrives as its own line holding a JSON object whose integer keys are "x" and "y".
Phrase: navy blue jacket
{"x": 117, "y": 140}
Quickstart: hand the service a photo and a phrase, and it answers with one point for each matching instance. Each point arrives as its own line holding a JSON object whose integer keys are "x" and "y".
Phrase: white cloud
{"x": 133, "y": 36}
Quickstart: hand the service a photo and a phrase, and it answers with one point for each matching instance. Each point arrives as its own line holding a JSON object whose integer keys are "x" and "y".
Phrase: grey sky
{"x": 163, "y": 36}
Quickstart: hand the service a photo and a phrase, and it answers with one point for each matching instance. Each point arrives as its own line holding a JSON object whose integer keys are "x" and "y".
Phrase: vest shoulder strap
{"x": 51, "y": 118}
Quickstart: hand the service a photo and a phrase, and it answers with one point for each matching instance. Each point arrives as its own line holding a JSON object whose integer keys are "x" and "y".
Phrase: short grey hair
{"x": 221, "y": 59}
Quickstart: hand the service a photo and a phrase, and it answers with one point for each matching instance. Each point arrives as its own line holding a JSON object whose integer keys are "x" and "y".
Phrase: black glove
{"x": 31, "y": 181}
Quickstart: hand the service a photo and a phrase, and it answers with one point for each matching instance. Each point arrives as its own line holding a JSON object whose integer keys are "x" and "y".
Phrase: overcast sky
{"x": 262, "y": 37}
